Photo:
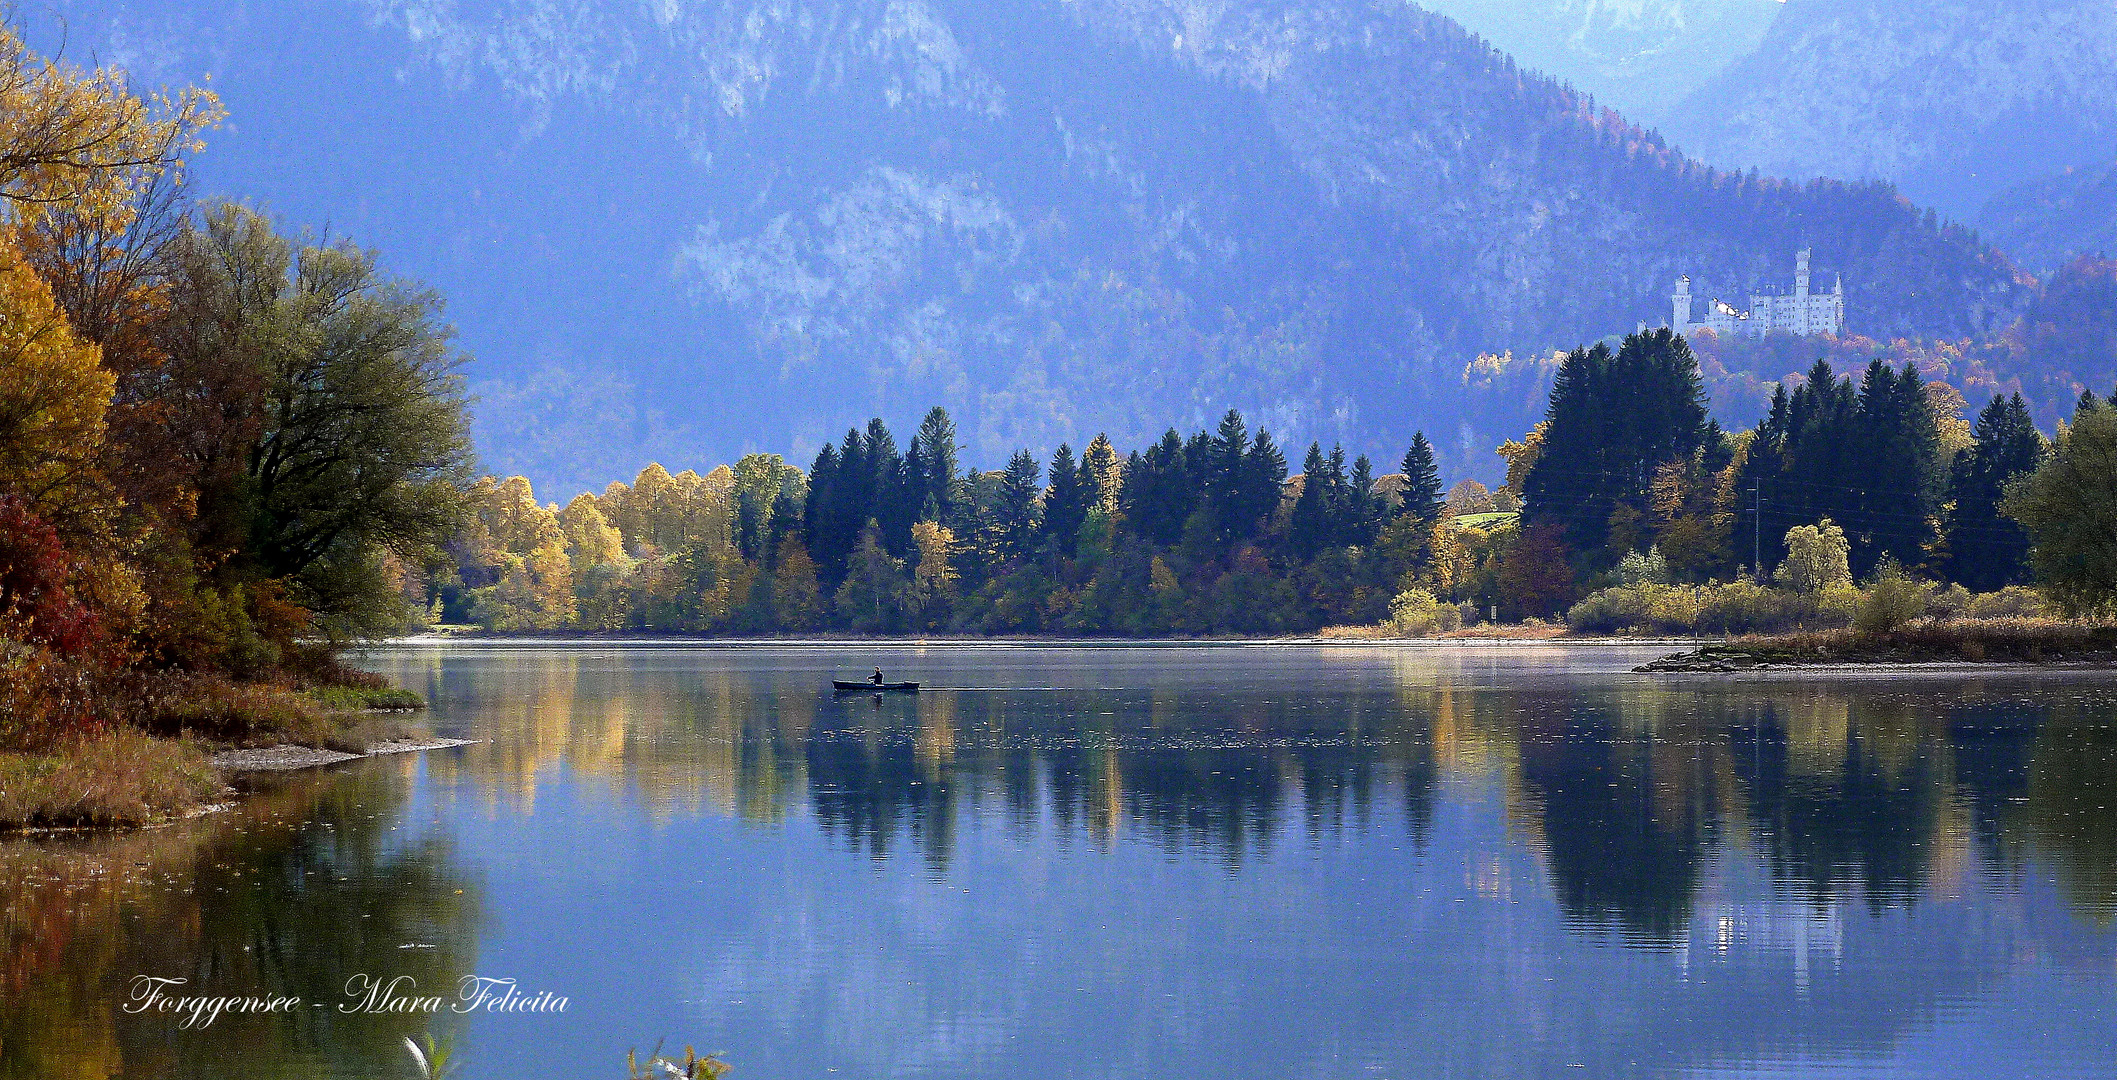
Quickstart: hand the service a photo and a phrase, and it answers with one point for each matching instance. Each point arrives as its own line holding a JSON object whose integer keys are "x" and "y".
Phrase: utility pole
{"x": 1756, "y": 522}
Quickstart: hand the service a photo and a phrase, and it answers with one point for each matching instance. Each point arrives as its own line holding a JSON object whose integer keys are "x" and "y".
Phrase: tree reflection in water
{"x": 1628, "y": 795}
{"x": 1628, "y": 788}
{"x": 1402, "y": 860}
{"x": 290, "y": 893}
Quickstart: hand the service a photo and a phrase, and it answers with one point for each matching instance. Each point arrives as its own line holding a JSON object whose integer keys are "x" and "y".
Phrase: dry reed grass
{"x": 2011, "y": 640}
{"x": 121, "y": 778}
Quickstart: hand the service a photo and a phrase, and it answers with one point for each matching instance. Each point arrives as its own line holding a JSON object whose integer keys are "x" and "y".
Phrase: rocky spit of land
{"x": 289, "y": 757}
{"x": 1712, "y": 659}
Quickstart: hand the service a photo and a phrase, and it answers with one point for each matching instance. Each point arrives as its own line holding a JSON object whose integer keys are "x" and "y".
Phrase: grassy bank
{"x": 1927, "y": 641}
{"x": 150, "y": 760}
{"x": 123, "y": 778}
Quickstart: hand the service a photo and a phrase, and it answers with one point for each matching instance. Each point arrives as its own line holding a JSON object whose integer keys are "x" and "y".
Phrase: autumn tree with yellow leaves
{"x": 223, "y": 449}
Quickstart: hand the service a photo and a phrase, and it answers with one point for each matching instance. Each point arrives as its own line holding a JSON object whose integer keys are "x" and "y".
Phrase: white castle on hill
{"x": 1802, "y": 314}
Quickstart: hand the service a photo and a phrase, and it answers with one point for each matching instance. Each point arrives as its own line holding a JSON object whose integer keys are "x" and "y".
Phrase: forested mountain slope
{"x": 691, "y": 230}
{"x": 1955, "y": 100}
{"x": 2045, "y": 221}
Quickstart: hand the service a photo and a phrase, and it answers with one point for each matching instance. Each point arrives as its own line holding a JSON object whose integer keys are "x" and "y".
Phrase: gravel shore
{"x": 283, "y": 758}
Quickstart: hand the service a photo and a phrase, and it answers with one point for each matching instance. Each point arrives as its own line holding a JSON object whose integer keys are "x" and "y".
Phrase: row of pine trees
{"x": 1628, "y": 460}
{"x": 1188, "y": 535}
{"x": 1208, "y": 533}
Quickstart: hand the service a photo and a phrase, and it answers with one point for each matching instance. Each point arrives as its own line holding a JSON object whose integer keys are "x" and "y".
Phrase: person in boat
{"x": 876, "y": 678}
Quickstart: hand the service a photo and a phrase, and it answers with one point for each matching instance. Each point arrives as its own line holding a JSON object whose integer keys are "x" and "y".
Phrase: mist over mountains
{"x": 1955, "y": 101}
{"x": 1640, "y": 57}
{"x": 684, "y": 231}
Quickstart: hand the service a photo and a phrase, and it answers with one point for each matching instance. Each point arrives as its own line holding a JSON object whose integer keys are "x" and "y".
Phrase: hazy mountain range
{"x": 1954, "y": 100}
{"x": 2047, "y": 220}
{"x": 680, "y": 231}
{"x": 1641, "y": 57}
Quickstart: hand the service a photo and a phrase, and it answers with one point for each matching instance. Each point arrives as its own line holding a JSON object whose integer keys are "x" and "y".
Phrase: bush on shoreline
{"x": 1733, "y": 608}
{"x": 1743, "y": 607}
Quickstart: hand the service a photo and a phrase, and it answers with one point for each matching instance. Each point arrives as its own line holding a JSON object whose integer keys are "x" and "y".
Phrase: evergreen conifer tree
{"x": 1065, "y": 503}
{"x": 888, "y": 504}
{"x": 1263, "y": 485}
{"x": 1894, "y": 481}
{"x": 1986, "y": 549}
{"x": 1227, "y": 491}
{"x": 1015, "y": 512}
{"x": 825, "y": 520}
{"x": 1336, "y": 508}
{"x": 1363, "y": 508}
{"x": 914, "y": 486}
{"x": 1308, "y": 526}
{"x": 1423, "y": 493}
{"x": 1159, "y": 491}
{"x": 1614, "y": 419}
{"x": 1101, "y": 475}
{"x": 937, "y": 446}
{"x": 1867, "y": 458}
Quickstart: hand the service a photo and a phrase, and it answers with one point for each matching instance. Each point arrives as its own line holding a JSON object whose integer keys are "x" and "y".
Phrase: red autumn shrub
{"x": 37, "y": 604}
{"x": 47, "y": 699}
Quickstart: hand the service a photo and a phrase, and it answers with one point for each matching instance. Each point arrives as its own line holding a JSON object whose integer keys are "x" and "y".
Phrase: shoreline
{"x": 289, "y": 757}
{"x": 230, "y": 764}
{"x": 1689, "y": 655}
{"x": 683, "y": 642}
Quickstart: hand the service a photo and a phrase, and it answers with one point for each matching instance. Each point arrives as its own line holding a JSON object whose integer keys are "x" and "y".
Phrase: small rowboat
{"x": 874, "y": 688}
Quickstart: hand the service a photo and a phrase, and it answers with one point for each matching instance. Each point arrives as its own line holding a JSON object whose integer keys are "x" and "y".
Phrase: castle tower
{"x": 1801, "y": 272}
{"x": 1683, "y": 304}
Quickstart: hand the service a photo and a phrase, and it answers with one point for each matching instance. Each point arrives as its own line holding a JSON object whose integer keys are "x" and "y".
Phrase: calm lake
{"x": 1166, "y": 862}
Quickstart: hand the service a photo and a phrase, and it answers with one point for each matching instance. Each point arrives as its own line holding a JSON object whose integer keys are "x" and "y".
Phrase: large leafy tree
{"x": 53, "y": 395}
{"x": 83, "y": 140}
{"x": 354, "y": 442}
{"x": 2069, "y": 506}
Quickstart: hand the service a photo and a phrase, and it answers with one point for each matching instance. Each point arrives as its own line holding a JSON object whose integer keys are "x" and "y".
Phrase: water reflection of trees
{"x": 1856, "y": 811}
{"x": 291, "y": 893}
{"x": 1628, "y": 794}
{"x": 2068, "y": 814}
{"x": 1627, "y": 811}
{"x": 1627, "y": 789}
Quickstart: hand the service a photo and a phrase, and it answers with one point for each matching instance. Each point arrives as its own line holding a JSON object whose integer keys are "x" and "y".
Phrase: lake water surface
{"x": 1166, "y": 862}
